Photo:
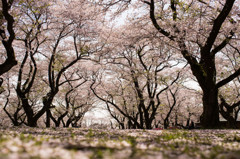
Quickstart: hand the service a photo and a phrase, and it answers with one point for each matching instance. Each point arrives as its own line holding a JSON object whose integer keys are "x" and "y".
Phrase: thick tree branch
{"x": 155, "y": 23}
{"x": 228, "y": 79}
{"x": 174, "y": 9}
{"x": 217, "y": 25}
{"x": 223, "y": 44}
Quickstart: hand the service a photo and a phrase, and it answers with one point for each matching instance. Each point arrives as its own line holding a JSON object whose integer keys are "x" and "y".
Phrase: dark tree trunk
{"x": 48, "y": 118}
{"x": 69, "y": 121}
{"x": 166, "y": 123}
{"x": 63, "y": 123}
{"x": 120, "y": 125}
{"x": 228, "y": 114}
{"x": 176, "y": 120}
{"x": 31, "y": 121}
{"x": 57, "y": 124}
{"x": 210, "y": 115}
{"x": 129, "y": 124}
{"x": 47, "y": 101}
{"x": 156, "y": 123}
{"x": 141, "y": 118}
{"x": 148, "y": 123}
{"x": 188, "y": 122}
{"x": 205, "y": 72}
{"x": 148, "y": 118}
{"x": 31, "y": 117}
{"x": 133, "y": 125}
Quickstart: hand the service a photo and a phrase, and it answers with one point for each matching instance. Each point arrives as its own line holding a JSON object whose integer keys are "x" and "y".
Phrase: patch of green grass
{"x": 133, "y": 142}
{"x": 3, "y": 155}
{"x": 26, "y": 137}
{"x": 90, "y": 134}
{"x": 220, "y": 135}
{"x": 215, "y": 151}
{"x": 102, "y": 134}
{"x": 167, "y": 136}
{"x": 196, "y": 138}
{"x": 205, "y": 142}
{"x": 38, "y": 143}
{"x": 15, "y": 134}
{"x": 232, "y": 138}
{"x": 73, "y": 134}
{"x": 97, "y": 154}
{"x": 236, "y": 138}
{"x": 102, "y": 142}
{"x": 3, "y": 138}
{"x": 173, "y": 146}
{"x": 101, "y": 153}
{"x": 43, "y": 132}
{"x": 70, "y": 129}
{"x": 191, "y": 151}
{"x": 35, "y": 157}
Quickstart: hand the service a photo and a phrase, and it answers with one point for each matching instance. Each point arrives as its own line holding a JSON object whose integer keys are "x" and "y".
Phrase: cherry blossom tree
{"x": 83, "y": 32}
{"x": 30, "y": 29}
{"x": 52, "y": 48}
{"x": 77, "y": 101}
{"x": 140, "y": 78}
{"x": 199, "y": 30}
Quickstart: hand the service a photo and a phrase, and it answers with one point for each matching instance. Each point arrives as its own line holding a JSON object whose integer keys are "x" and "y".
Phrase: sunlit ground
{"x": 81, "y": 143}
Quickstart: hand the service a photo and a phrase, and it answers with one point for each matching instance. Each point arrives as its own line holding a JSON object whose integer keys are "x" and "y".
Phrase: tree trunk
{"x": 48, "y": 120}
{"x": 176, "y": 120}
{"x": 148, "y": 120}
{"x": 148, "y": 124}
{"x": 31, "y": 121}
{"x": 121, "y": 125}
{"x": 166, "y": 123}
{"x": 228, "y": 114}
{"x": 141, "y": 119}
{"x": 206, "y": 77}
{"x": 69, "y": 121}
{"x": 47, "y": 101}
{"x": 210, "y": 115}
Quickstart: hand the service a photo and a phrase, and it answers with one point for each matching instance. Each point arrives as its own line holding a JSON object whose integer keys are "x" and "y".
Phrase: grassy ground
{"x": 80, "y": 143}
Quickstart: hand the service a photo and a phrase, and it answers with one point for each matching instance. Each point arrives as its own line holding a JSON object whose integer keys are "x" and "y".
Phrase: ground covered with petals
{"x": 71, "y": 143}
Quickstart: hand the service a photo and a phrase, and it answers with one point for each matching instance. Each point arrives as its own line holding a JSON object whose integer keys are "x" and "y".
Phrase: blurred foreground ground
{"x": 78, "y": 143}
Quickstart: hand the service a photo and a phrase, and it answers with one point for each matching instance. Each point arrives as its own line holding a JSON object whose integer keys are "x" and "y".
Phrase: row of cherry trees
{"x": 201, "y": 31}
{"x": 73, "y": 56}
{"x": 49, "y": 74}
